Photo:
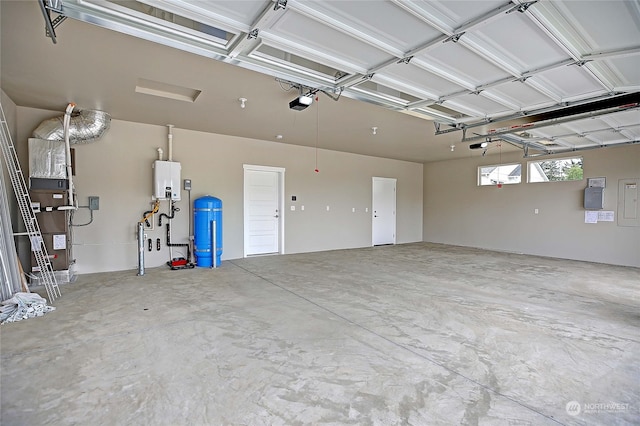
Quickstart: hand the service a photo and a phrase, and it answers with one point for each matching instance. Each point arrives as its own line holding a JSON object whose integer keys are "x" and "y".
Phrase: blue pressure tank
{"x": 207, "y": 227}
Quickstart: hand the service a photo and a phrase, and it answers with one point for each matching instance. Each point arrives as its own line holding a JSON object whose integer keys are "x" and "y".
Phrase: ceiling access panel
{"x": 377, "y": 22}
{"x": 419, "y": 80}
{"x": 570, "y": 82}
{"x": 451, "y": 15}
{"x": 460, "y": 64}
{"x": 517, "y": 42}
{"x": 326, "y": 45}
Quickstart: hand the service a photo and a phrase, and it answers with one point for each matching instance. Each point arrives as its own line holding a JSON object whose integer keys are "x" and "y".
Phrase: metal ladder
{"x": 28, "y": 216}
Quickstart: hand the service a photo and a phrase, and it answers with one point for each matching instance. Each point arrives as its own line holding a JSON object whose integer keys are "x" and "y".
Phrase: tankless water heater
{"x": 166, "y": 180}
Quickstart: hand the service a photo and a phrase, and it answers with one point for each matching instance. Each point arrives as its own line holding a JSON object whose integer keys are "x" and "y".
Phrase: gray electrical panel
{"x": 594, "y": 198}
{"x": 94, "y": 203}
{"x": 628, "y": 202}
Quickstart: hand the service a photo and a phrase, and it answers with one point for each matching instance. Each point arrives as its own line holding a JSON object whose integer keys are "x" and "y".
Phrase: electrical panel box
{"x": 594, "y": 198}
{"x": 94, "y": 203}
{"x": 166, "y": 180}
{"x": 628, "y": 205}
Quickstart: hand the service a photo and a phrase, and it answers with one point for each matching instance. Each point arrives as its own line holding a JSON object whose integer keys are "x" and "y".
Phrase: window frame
{"x": 506, "y": 182}
{"x": 530, "y": 163}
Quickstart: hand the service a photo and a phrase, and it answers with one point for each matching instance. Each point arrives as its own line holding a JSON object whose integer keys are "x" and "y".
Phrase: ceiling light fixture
{"x": 374, "y": 130}
{"x": 452, "y": 147}
{"x": 242, "y": 102}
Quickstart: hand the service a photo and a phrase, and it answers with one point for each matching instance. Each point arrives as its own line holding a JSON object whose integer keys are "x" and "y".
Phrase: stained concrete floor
{"x": 419, "y": 334}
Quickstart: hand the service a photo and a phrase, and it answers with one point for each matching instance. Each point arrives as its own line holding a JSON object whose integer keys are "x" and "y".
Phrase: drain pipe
{"x": 170, "y": 137}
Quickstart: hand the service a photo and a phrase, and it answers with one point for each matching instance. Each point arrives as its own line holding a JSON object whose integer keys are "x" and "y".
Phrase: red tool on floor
{"x": 180, "y": 263}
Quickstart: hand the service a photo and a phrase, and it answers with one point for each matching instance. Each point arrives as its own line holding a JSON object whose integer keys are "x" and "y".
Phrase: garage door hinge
{"x": 280, "y": 4}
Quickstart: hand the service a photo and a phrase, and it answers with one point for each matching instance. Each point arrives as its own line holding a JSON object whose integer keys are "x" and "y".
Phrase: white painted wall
{"x": 458, "y": 212}
{"x": 118, "y": 170}
{"x": 10, "y": 111}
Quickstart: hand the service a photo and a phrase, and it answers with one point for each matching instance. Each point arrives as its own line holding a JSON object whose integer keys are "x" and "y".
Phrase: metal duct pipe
{"x": 66, "y": 126}
{"x": 84, "y": 126}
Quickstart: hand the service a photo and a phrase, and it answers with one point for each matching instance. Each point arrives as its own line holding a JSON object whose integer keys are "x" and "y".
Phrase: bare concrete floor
{"x": 419, "y": 334}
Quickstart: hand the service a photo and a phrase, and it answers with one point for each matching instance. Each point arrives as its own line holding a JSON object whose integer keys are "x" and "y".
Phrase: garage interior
{"x": 421, "y": 265}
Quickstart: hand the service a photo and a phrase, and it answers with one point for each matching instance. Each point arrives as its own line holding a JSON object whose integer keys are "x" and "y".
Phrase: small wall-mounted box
{"x": 94, "y": 203}
{"x": 594, "y": 198}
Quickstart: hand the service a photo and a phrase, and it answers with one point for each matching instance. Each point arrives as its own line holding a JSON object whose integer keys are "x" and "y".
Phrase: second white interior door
{"x": 262, "y": 212}
{"x": 384, "y": 211}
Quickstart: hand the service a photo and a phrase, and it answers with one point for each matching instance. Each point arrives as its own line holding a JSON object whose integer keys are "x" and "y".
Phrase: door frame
{"x": 395, "y": 207}
{"x": 280, "y": 171}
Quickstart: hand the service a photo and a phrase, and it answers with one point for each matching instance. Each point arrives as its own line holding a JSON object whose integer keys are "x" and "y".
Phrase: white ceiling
{"x": 465, "y": 64}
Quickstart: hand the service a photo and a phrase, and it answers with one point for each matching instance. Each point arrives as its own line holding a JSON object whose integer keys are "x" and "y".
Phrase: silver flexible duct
{"x": 84, "y": 126}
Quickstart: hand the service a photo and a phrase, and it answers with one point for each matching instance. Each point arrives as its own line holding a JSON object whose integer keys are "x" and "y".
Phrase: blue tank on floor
{"x": 207, "y": 211}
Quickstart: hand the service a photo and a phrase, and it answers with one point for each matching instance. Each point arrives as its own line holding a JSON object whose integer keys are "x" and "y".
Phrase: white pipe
{"x": 67, "y": 119}
{"x": 170, "y": 137}
{"x": 160, "y": 154}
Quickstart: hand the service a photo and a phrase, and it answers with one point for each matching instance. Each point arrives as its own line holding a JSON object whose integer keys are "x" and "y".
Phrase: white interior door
{"x": 384, "y": 211}
{"x": 262, "y": 210}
